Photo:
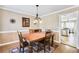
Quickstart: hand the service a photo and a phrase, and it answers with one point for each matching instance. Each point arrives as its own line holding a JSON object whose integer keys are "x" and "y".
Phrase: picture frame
{"x": 25, "y": 22}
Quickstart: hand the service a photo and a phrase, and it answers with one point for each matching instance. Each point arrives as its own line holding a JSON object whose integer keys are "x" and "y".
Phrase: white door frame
{"x": 77, "y": 36}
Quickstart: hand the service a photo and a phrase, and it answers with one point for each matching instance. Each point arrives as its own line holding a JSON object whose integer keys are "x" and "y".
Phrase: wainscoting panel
{"x": 8, "y": 37}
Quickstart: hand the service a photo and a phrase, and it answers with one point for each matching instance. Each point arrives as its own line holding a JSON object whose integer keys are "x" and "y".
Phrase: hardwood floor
{"x": 65, "y": 49}
{"x": 70, "y": 40}
{"x": 7, "y": 48}
{"x": 60, "y": 49}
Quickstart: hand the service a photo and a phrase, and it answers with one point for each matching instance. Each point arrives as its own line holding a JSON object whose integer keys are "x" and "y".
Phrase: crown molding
{"x": 26, "y": 13}
{"x": 60, "y": 11}
{"x": 16, "y": 11}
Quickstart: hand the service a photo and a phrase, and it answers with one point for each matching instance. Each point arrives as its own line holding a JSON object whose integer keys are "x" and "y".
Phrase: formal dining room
{"x": 39, "y": 29}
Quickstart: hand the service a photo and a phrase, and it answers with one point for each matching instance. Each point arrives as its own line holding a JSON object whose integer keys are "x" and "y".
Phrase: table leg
{"x": 52, "y": 40}
{"x": 30, "y": 48}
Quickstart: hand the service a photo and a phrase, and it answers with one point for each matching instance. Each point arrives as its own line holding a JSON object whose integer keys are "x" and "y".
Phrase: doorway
{"x": 68, "y": 29}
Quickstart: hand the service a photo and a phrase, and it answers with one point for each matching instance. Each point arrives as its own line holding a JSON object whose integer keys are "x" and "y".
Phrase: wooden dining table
{"x": 37, "y": 36}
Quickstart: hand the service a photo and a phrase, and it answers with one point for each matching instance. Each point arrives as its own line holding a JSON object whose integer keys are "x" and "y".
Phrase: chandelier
{"x": 37, "y": 19}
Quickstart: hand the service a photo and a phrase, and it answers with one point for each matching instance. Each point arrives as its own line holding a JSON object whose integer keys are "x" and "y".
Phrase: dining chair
{"x": 47, "y": 41}
{"x": 38, "y": 30}
{"x": 22, "y": 42}
{"x": 35, "y": 30}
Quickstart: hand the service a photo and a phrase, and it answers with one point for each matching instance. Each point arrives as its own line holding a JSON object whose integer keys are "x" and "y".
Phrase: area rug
{"x": 26, "y": 50}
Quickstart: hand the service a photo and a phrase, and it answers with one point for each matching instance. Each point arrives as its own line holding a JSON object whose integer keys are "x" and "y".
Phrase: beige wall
{"x": 52, "y": 21}
{"x": 6, "y": 25}
{"x": 48, "y": 22}
{"x": 8, "y": 37}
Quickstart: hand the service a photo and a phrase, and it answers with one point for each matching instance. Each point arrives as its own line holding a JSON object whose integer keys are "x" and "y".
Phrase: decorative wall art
{"x": 25, "y": 22}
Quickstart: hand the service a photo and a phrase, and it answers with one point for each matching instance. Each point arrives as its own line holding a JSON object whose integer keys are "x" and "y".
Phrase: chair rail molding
{"x": 13, "y": 31}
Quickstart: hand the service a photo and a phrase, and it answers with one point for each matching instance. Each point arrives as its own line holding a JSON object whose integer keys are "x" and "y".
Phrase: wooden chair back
{"x": 48, "y": 34}
{"x": 20, "y": 38}
{"x": 35, "y": 30}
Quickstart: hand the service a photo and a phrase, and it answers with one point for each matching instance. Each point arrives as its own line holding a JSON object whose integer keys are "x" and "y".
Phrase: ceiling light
{"x": 37, "y": 18}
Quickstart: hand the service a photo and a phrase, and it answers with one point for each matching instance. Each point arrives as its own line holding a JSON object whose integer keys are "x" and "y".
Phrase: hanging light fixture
{"x": 37, "y": 18}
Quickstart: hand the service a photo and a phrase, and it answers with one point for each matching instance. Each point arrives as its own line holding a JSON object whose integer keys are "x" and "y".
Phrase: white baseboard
{"x": 3, "y": 44}
{"x": 77, "y": 47}
{"x": 56, "y": 41}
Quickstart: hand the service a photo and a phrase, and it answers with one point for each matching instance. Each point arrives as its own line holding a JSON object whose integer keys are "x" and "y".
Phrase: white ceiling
{"x": 31, "y": 9}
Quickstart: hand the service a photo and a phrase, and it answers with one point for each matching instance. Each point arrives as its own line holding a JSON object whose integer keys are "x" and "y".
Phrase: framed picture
{"x": 25, "y": 22}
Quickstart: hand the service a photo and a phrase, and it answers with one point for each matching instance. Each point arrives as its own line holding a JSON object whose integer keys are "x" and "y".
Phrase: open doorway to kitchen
{"x": 68, "y": 28}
